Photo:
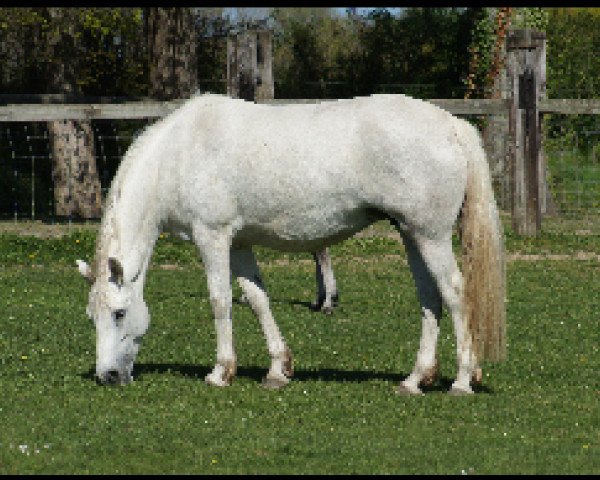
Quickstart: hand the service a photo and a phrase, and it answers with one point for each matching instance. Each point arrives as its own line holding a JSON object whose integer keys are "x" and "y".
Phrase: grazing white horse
{"x": 232, "y": 174}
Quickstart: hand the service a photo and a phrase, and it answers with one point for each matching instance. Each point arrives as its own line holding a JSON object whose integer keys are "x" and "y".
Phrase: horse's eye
{"x": 119, "y": 314}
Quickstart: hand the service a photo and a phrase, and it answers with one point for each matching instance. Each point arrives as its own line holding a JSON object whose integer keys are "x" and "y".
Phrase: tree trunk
{"x": 171, "y": 40}
{"x": 76, "y": 181}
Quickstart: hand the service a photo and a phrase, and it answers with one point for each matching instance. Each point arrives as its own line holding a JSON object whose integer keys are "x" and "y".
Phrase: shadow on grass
{"x": 308, "y": 305}
{"x": 302, "y": 303}
{"x": 257, "y": 374}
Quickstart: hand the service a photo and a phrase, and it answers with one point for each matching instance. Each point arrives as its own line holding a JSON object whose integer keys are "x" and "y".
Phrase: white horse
{"x": 232, "y": 174}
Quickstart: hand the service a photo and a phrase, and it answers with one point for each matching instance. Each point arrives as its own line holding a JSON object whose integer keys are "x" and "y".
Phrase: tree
{"x": 172, "y": 62}
{"x": 421, "y": 52}
{"x": 573, "y": 71}
{"x": 211, "y": 50}
{"x": 21, "y": 46}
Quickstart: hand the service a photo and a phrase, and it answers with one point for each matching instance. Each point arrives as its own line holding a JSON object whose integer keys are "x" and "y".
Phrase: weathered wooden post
{"x": 526, "y": 69}
{"x": 250, "y": 65}
{"x": 77, "y": 189}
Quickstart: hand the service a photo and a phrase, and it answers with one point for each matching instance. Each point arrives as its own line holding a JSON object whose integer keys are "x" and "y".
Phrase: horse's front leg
{"x": 214, "y": 249}
{"x": 245, "y": 268}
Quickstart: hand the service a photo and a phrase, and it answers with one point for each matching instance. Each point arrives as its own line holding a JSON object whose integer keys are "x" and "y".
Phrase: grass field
{"x": 537, "y": 413}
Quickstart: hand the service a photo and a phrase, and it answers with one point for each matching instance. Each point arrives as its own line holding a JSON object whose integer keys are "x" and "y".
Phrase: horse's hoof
{"x": 477, "y": 378}
{"x": 335, "y": 299}
{"x": 430, "y": 376}
{"x": 215, "y": 382}
{"x": 317, "y": 304}
{"x": 459, "y": 392}
{"x": 222, "y": 375}
{"x": 288, "y": 363}
{"x": 405, "y": 391}
{"x": 274, "y": 383}
{"x": 327, "y": 310}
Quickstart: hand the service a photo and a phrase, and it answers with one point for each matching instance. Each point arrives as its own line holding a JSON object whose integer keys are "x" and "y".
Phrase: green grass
{"x": 537, "y": 413}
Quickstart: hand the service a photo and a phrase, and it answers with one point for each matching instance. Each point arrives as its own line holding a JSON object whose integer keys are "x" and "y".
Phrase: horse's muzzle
{"x": 113, "y": 377}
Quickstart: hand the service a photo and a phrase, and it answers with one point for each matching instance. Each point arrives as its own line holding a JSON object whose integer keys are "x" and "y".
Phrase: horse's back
{"x": 381, "y": 135}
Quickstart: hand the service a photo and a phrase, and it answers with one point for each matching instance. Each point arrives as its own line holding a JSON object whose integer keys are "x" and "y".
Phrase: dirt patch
{"x": 45, "y": 230}
{"x": 167, "y": 266}
{"x": 510, "y": 257}
{"x": 532, "y": 257}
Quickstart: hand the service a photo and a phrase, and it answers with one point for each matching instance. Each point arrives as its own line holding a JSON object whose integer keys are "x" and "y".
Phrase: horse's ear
{"x": 85, "y": 270}
{"x": 116, "y": 271}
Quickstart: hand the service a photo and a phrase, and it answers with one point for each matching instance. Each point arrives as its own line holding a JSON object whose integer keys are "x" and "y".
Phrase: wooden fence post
{"x": 250, "y": 65}
{"x": 526, "y": 69}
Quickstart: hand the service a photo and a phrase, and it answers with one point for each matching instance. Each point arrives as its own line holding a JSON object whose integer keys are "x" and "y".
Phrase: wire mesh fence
{"x": 26, "y": 164}
{"x": 571, "y": 149}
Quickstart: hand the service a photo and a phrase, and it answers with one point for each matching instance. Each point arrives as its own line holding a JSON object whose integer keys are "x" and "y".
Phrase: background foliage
{"x": 428, "y": 48}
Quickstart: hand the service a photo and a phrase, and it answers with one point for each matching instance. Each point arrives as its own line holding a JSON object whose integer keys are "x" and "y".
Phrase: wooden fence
{"x": 522, "y": 222}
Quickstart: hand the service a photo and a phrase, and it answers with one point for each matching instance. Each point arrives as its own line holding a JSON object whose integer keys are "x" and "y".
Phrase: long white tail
{"x": 483, "y": 264}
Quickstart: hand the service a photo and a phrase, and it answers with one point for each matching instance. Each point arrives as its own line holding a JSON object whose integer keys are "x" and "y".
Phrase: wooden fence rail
{"x": 154, "y": 109}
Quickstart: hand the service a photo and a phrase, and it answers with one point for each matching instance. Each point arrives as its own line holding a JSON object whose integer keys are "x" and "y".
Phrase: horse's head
{"x": 120, "y": 316}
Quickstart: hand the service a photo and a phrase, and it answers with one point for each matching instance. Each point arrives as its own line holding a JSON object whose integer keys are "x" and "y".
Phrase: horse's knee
{"x": 221, "y": 305}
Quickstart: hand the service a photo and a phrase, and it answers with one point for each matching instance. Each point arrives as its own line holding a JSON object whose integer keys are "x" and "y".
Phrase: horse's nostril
{"x": 111, "y": 377}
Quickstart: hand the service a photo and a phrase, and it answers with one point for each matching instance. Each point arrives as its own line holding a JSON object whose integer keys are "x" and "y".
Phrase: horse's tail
{"x": 483, "y": 261}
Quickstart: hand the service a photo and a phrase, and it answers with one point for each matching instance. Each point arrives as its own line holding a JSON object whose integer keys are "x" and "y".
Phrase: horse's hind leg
{"x": 440, "y": 261}
{"x": 425, "y": 369}
{"x": 245, "y": 269}
{"x": 327, "y": 294}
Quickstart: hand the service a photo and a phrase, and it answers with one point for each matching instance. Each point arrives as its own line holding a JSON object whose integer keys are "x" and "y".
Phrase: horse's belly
{"x": 303, "y": 233}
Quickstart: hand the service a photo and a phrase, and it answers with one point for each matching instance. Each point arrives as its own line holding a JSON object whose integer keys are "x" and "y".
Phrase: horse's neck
{"x": 130, "y": 229}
